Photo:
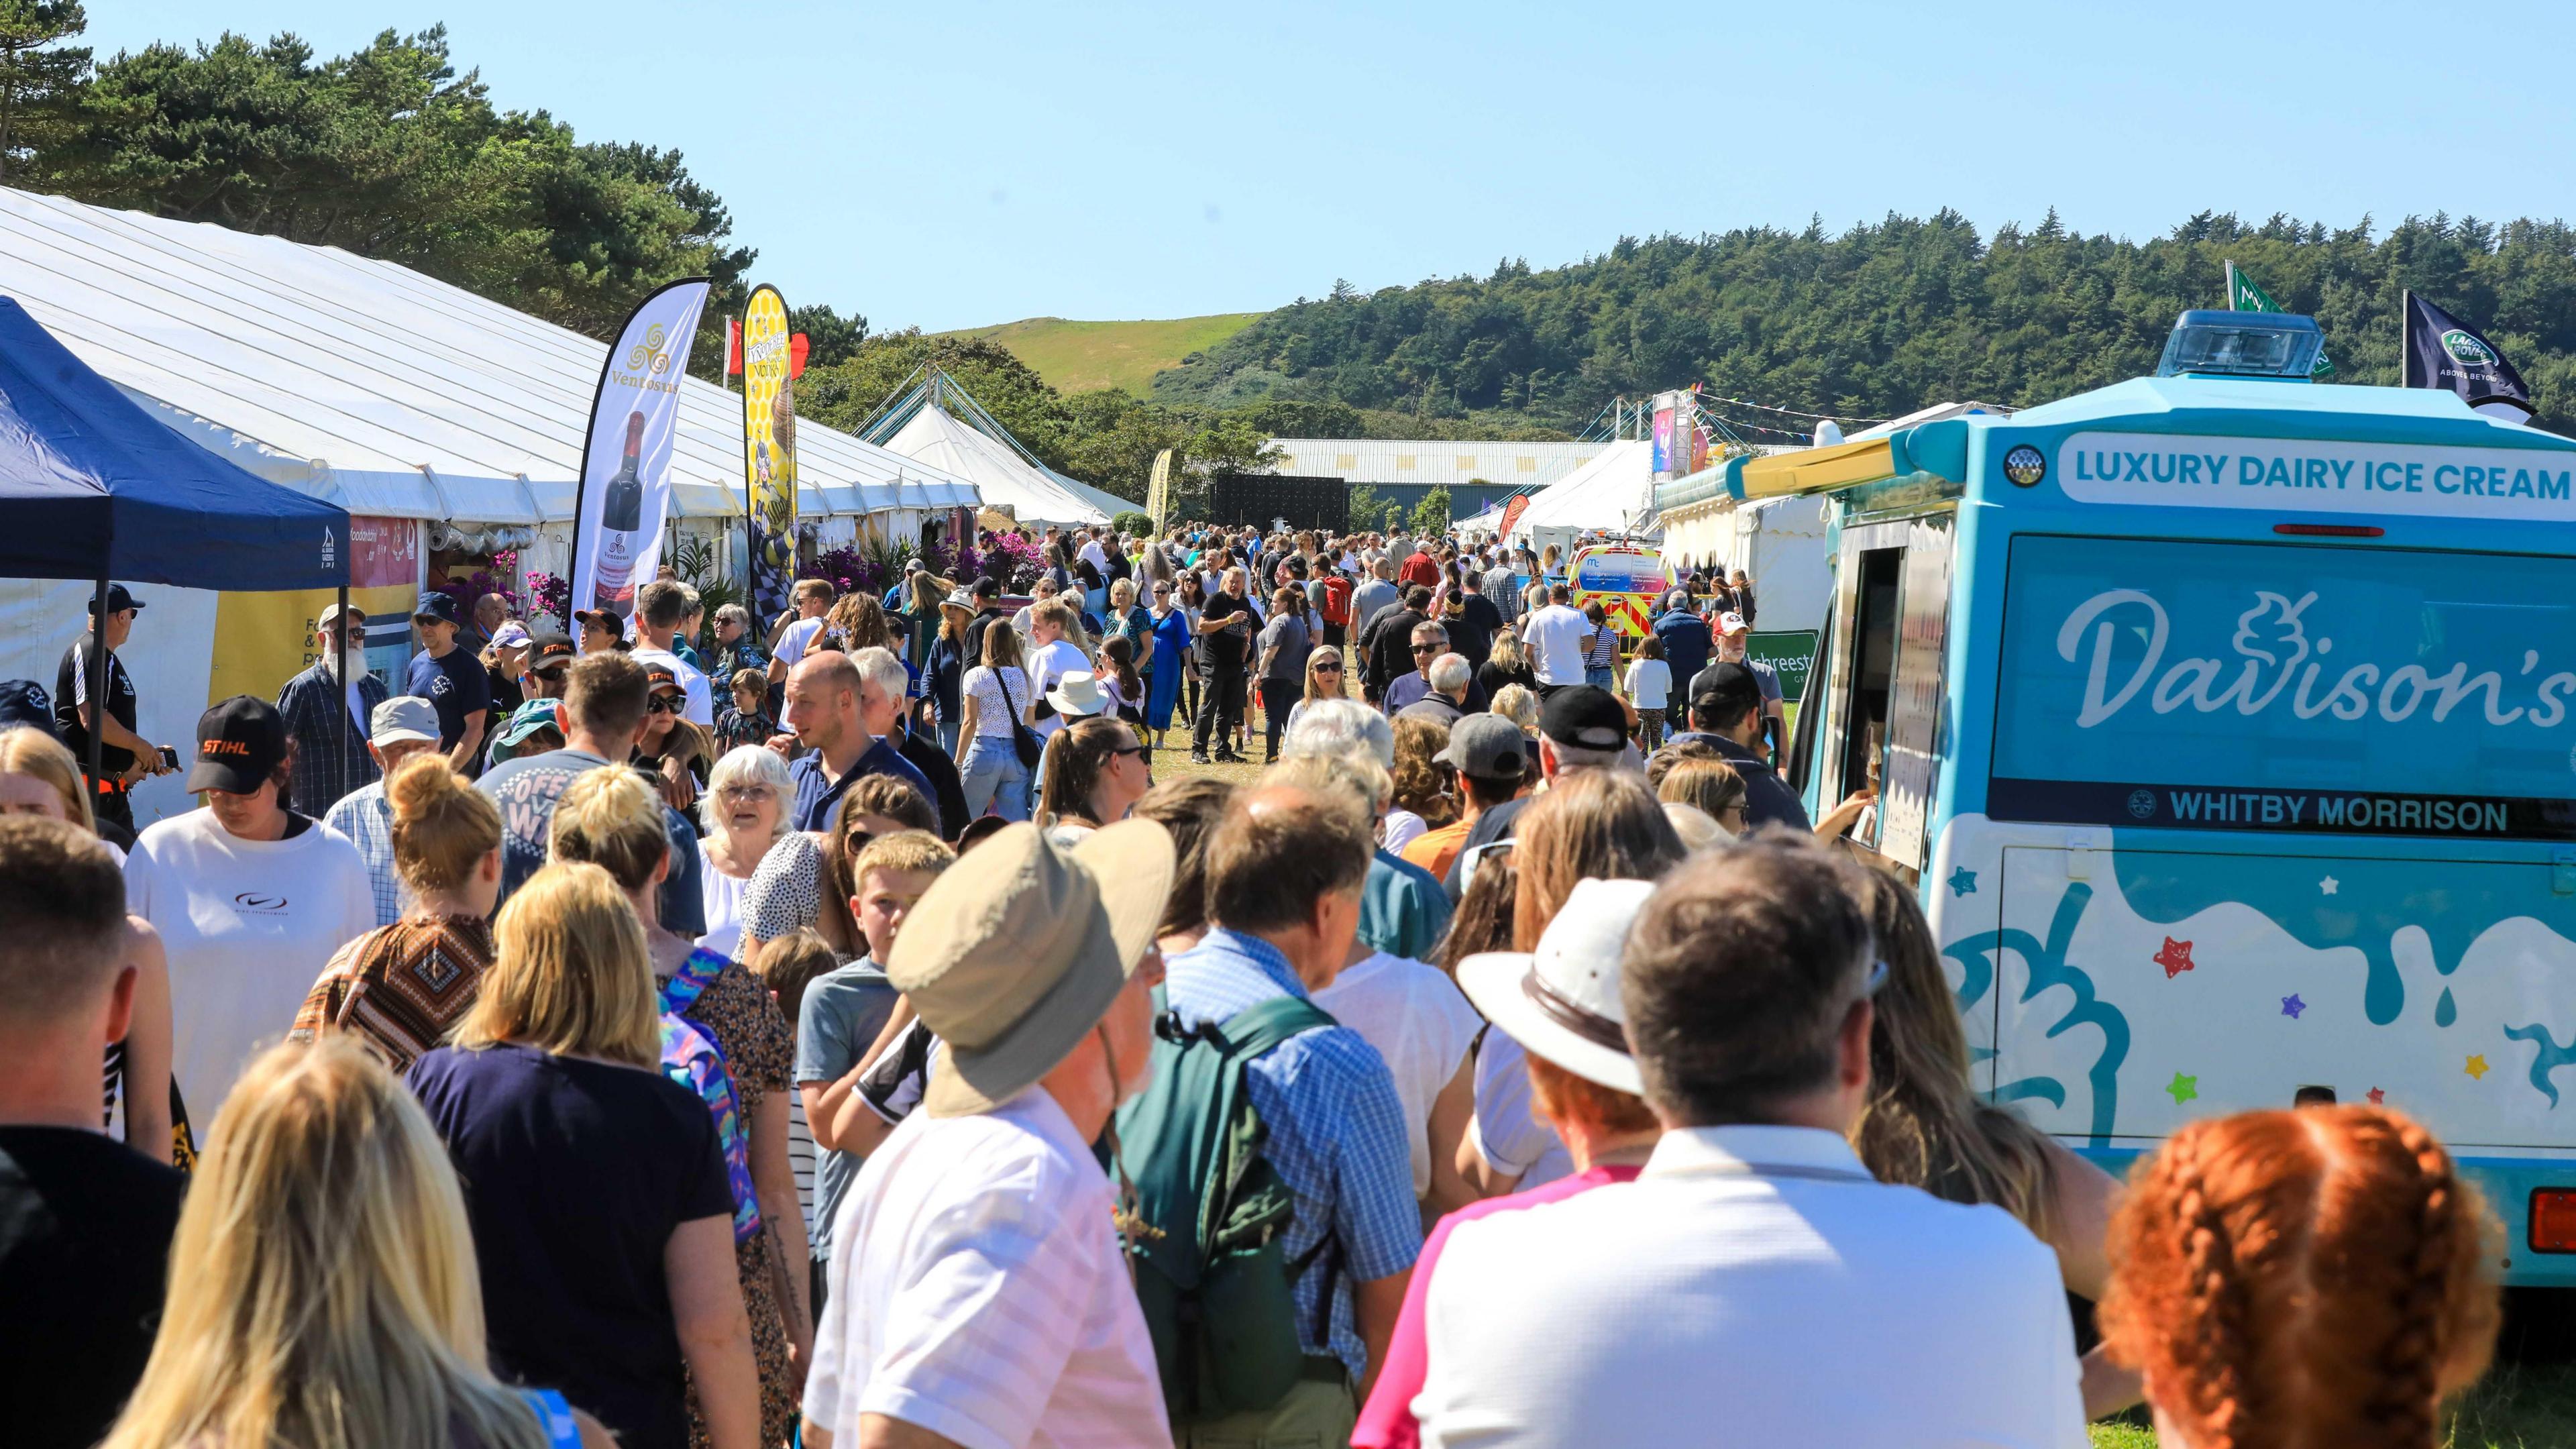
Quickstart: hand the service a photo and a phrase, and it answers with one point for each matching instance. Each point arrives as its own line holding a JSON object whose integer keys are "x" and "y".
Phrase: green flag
{"x": 2244, "y": 296}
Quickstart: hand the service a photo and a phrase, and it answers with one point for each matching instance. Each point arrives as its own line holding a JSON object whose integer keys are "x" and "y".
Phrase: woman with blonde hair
{"x": 1518, "y": 705}
{"x": 399, "y": 988}
{"x": 38, "y": 776}
{"x": 1711, "y": 785}
{"x": 1924, "y": 1126}
{"x": 323, "y": 1283}
{"x": 2313, "y": 1276}
{"x": 748, "y": 795}
{"x": 597, "y": 1189}
{"x": 736, "y": 1052}
{"x": 1323, "y": 681}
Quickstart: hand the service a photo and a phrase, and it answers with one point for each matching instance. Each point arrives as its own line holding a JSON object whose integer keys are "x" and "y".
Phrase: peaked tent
{"x": 1614, "y": 493}
{"x": 935, "y": 420}
{"x": 1004, "y": 478}
{"x": 94, "y": 487}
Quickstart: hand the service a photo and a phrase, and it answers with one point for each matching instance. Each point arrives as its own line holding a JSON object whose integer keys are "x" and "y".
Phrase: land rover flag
{"x": 2441, "y": 351}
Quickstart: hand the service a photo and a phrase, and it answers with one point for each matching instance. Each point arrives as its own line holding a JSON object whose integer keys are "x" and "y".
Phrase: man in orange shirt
{"x": 1491, "y": 756}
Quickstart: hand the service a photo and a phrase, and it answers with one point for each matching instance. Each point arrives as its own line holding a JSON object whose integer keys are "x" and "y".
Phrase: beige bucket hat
{"x": 1013, "y": 956}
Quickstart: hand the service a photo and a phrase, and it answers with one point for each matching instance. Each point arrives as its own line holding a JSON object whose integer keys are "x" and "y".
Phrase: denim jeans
{"x": 948, "y": 729}
{"x": 994, "y": 776}
{"x": 1598, "y": 676}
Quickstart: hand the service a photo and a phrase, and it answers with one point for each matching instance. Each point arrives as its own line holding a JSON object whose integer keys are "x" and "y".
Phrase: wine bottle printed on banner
{"x": 621, "y": 517}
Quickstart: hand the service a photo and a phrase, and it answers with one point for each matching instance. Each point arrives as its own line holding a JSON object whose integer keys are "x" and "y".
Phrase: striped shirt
{"x": 1336, "y": 1134}
{"x": 992, "y": 1303}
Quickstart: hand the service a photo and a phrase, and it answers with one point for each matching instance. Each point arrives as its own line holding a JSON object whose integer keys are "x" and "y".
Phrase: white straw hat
{"x": 1561, "y": 1001}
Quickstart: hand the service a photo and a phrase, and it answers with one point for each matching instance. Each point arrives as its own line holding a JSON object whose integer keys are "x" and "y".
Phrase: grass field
{"x": 1088, "y": 356}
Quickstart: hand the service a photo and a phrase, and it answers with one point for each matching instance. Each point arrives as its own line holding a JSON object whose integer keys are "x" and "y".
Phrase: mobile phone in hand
{"x": 169, "y": 757}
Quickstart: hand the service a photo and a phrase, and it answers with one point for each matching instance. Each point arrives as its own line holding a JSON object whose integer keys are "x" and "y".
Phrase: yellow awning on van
{"x": 1814, "y": 470}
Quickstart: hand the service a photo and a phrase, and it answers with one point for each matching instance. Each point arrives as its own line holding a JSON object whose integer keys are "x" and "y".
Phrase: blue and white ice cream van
{"x": 2230, "y": 722}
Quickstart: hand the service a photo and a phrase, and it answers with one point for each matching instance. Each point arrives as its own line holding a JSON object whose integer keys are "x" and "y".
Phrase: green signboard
{"x": 1787, "y": 651}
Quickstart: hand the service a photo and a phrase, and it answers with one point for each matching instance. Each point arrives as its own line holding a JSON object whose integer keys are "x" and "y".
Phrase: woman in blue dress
{"x": 1171, "y": 645}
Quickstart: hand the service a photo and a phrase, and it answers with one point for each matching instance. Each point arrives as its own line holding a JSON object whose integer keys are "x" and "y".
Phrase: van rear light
{"x": 2553, "y": 1220}
{"x": 2330, "y": 530}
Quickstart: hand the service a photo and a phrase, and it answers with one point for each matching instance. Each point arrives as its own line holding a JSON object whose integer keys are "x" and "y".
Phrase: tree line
{"x": 1883, "y": 319}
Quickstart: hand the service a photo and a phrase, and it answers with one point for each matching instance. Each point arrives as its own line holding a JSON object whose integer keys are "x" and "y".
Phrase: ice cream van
{"x": 2228, "y": 724}
{"x": 1626, "y": 579}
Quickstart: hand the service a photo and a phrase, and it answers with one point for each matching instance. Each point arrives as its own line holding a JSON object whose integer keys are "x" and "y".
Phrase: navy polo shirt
{"x": 816, "y": 796}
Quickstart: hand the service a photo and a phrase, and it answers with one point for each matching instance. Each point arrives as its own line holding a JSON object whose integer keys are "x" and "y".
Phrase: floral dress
{"x": 731, "y": 1007}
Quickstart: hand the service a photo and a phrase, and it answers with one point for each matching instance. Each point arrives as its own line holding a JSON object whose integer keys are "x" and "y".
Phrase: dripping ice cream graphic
{"x": 2273, "y": 662}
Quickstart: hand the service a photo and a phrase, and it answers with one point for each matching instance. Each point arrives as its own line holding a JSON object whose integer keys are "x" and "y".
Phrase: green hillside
{"x": 1087, "y": 356}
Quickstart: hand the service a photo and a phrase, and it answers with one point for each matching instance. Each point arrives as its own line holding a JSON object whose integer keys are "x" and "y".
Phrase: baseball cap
{"x": 240, "y": 743}
{"x": 435, "y": 605}
{"x": 1486, "y": 746}
{"x": 331, "y": 615}
{"x": 403, "y": 717}
{"x": 526, "y": 720}
{"x": 24, "y": 704}
{"x": 1726, "y": 687}
{"x": 1585, "y": 716}
{"x": 1730, "y": 622}
{"x": 118, "y": 600}
{"x": 549, "y": 649}
{"x": 604, "y": 618}
{"x": 512, "y": 635}
{"x": 658, "y": 674}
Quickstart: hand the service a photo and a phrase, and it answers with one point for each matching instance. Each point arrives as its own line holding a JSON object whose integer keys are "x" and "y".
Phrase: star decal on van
{"x": 2183, "y": 1088}
{"x": 2477, "y": 1067}
{"x": 2378, "y": 1096}
{"x": 2291, "y": 1006}
{"x": 1963, "y": 882}
{"x": 2175, "y": 957}
{"x": 2328, "y": 886}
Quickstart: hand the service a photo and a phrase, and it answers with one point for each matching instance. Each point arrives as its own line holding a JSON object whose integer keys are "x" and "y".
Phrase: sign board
{"x": 2307, "y": 476}
{"x": 1787, "y": 651}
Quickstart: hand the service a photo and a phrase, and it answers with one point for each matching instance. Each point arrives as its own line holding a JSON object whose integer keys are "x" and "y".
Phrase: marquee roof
{"x": 373, "y": 386}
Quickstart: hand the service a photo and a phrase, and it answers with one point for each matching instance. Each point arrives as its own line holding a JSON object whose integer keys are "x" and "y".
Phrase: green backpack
{"x": 1210, "y": 1272}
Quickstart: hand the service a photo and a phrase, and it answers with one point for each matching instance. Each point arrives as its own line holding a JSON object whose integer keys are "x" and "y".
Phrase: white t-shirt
{"x": 1420, "y": 1022}
{"x": 991, "y": 1304}
{"x": 800, "y": 636}
{"x": 1507, "y": 1128}
{"x": 1650, "y": 683}
{"x": 697, "y": 702}
{"x": 1753, "y": 1286}
{"x": 1401, "y": 825}
{"x": 249, "y": 925}
{"x": 1556, "y": 636}
{"x": 996, "y": 705}
{"x": 1048, "y": 665}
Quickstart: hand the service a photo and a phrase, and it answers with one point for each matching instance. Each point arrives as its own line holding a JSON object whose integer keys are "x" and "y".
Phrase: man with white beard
{"x": 328, "y": 709}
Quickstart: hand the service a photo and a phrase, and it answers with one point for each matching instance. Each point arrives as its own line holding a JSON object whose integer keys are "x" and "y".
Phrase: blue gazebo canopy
{"x": 92, "y": 487}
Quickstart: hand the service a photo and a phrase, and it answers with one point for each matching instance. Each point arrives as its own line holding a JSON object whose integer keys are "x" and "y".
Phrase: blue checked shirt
{"x": 1336, "y": 1134}
{"x": 367, "y": 818}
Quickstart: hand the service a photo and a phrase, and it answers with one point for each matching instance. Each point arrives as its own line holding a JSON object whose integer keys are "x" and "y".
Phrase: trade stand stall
{"x": 94, "y": 491}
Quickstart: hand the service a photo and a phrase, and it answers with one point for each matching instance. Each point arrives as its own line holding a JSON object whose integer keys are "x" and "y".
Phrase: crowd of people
{"x": 544, "y": 1055}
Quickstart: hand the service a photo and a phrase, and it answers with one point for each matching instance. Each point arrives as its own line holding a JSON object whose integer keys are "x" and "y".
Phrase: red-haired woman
{"x": 2304, "y": 1277}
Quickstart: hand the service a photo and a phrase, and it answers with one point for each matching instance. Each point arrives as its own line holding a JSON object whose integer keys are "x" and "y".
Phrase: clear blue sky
{"x": 960, "y": 163}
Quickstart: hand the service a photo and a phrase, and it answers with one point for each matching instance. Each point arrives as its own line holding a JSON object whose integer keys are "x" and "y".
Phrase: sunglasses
{"x": 1429, "y": 648}
{"x": 663, "y": 704}
{"x": 357, "y": 635}
{"x": 554, "y": 675}
{"x": 1127, "y": 750}
{"x": 1328, "y": 669}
